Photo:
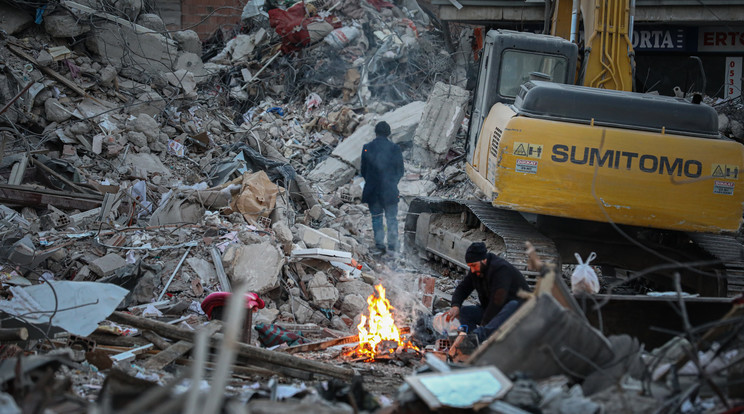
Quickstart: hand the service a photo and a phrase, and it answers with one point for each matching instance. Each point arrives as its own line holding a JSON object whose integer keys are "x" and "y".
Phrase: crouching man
{"x": 497, "y": 282}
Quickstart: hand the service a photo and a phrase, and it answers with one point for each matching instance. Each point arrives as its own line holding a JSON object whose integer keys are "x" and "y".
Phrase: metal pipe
{"x": 575, "y": 21}
{"x": 15, "y": 98}
{"x": 632, "y": 20}
{"x": 178, "y": 266}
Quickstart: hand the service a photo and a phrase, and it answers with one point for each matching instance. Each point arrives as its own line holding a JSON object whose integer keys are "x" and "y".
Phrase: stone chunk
{"x": 189, "y": 41}
{"x": 148, "y": 126}
{"x": 55, "y": 111}
{"x": 64, "y": 25}
{"x": 258, "y": 265}
{"x": 353, "y": 305}
{"x": 132, "y": 47}
{"x": 107, "y": 265}
{"x": 322, "y": 292}
{"x": 151, "y": 21}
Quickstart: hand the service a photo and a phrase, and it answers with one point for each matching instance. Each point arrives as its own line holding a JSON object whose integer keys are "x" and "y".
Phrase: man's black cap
{"x": 382, "y": 129}
{"x": 476, "y": 252}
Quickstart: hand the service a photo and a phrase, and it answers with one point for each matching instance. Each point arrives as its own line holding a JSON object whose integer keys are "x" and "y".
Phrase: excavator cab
{"x": 511, "y": 59}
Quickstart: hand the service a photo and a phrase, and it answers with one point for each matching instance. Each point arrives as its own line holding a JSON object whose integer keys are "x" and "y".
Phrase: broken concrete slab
{"x": 437, "y": 129}
{"x": 345, "y": 160}
{"x": 55, "y": 111}
{"x": 257, "y": 265}
{"x": 107, "y": 265}
{"x": 318, "y": 239}
{"x": 419, "y": 188}
{"x": 204, "y": 269}
{"x": 133, "y": 47}
{"x": 64, "y": 25}
{"x": 191, "y": 62}
{"x": 149, "y": 163}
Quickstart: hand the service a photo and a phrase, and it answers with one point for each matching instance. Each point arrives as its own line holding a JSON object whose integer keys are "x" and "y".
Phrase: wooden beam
{"x": 177, "y": 350}
{"x": 13, "y": 334}
{"x": 60, "y": 177}
{"x": 317, "y": 346}
{"x": 249, "y": 351}
{"x": 27, "y": 196}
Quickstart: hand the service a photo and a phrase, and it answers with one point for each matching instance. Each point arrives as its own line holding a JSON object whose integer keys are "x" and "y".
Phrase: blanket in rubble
{"x": 272, "y": 335}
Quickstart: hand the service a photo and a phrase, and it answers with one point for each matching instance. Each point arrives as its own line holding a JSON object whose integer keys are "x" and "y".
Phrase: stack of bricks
{"x": 206, "y": 16}
{"x": 426, "y": 286}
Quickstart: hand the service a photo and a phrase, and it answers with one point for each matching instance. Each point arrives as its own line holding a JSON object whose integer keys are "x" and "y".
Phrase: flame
{"x": 378, "y": 327}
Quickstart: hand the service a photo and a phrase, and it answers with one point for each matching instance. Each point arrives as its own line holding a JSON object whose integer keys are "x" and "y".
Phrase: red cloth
{"x": 291, "y": 25}
{"x": 219, "y": 299}
{"x": 379, "y": 4}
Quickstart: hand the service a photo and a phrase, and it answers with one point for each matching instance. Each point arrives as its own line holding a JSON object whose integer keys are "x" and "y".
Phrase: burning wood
{"x": 379, "y": 337}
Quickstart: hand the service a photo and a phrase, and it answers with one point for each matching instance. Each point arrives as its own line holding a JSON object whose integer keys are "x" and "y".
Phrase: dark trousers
{"x": 472, "y": 315}
{"x": 390, "y": 211}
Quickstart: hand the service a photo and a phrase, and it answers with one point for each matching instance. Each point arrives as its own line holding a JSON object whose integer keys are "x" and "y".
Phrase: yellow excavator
{"x": 572, "y": 160}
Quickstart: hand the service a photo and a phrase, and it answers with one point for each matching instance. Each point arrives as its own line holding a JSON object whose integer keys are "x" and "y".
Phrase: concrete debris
{"x": 258, "y": 266}
{"x": 145, "y": 168}
{"x": 440, "y": 122}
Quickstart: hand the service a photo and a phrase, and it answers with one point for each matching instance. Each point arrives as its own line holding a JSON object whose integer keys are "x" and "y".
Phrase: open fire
{"x": 378, "y": 334}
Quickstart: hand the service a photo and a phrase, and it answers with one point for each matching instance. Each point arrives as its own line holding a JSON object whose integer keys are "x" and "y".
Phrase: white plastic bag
{"x": 583, "y": 278}
{"x": 441, "y": 324}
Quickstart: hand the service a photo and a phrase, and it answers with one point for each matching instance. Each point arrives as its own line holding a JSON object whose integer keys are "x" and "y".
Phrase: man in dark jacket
{"x": 497, "y": 283}
{"x": 382, "y": 168}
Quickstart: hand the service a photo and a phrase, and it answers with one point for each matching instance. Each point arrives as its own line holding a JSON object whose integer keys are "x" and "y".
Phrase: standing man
{"x": 382, "y": 168}
{"x": 497, "y": 283}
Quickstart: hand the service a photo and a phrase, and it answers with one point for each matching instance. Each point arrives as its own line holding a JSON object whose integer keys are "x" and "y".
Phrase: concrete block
{"x": 149, "y": 163}
{"x": 107, "y": 265}
{"x": 257, "y": 265}
{"x": 437, "y": 129}
{"x": 204, "y": 269}
{"x": 55, "y": 111}
{"x": 302, "y": 311}
{"x": 418, "y": 188}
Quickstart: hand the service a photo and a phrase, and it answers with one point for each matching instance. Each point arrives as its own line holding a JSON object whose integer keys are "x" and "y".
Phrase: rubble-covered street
{"x": 151, "y": 180}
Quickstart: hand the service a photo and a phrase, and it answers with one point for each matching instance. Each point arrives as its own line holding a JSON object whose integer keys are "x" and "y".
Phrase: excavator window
{"x": 518, "y": 65}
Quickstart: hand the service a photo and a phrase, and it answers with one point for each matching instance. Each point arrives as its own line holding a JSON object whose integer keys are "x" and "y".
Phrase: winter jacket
{"x": 382, "y": 168}
{"x": 499, "y": 284}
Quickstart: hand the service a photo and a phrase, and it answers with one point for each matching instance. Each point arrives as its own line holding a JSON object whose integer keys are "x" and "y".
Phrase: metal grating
{"x": 495, "y": 140}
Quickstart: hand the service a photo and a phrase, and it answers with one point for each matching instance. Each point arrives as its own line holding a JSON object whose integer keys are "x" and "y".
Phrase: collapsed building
{"x": 145, "y": 173}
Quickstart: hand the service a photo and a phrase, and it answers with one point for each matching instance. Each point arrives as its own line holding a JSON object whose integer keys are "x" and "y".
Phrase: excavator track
{"x": 731, "y": 254}
{"x": 508, "y": 225}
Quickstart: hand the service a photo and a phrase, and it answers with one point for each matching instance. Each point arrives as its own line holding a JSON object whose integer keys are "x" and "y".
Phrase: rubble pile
{"x": 150, "y": 182}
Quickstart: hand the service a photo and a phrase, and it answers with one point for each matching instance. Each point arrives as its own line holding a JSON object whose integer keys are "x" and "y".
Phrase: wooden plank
{"x": 168, "y": 355}
{"x": 60, "y": 177}
{"x": 178, "y": 349}
{"x": 248, "y": 351}
{"x": 27, "y": 196}
{"x": 317, "y": 346}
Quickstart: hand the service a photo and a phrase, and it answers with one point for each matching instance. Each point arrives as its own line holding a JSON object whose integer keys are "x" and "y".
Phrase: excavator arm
{"x": 607, "y": 60}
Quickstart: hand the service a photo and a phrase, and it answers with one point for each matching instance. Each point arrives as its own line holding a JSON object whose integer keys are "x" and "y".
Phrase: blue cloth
{"x": 377, "y": 209}
{"x": 382, "y": 168}
{"x": 471, "y": 315}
